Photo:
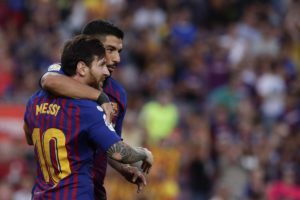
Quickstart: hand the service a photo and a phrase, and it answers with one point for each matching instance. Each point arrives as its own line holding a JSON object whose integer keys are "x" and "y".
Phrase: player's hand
{"x": 135, "y": 176}
{"x": 148, "y": 162}
{"x": 104, "y": 102}
{"x": 108, "y": 109}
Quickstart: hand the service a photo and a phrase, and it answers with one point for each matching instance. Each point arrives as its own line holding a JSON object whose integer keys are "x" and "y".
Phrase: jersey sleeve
{"x": 55, "y": 68}
{"x": 100, "y": 133}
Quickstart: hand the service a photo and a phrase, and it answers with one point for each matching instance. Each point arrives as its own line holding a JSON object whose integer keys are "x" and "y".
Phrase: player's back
{"x": 63, "y": 148}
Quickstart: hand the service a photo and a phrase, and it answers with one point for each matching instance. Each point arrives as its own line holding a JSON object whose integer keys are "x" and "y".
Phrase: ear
{"x": 81, "y": 68}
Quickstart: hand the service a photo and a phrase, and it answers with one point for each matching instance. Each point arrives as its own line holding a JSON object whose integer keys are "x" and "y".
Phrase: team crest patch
{"x": 54, "y": 67}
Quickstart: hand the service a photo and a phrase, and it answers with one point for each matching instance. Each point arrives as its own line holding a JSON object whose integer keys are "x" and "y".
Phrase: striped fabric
{"x": 66, "y": 134}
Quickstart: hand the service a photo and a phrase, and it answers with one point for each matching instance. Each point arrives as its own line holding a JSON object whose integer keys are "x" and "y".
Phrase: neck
{"x": 80, "y": 79}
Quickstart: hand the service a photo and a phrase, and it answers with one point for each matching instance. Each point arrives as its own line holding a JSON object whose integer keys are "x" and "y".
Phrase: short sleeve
{"x": 100, "y": 133}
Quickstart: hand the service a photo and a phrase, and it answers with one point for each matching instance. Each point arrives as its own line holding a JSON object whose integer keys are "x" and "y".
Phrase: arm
{"x": 130, "y": 173}
{"x": 62, "y": 85}
{"x": 126, "y": 154}
{"x": 103, "y": 136}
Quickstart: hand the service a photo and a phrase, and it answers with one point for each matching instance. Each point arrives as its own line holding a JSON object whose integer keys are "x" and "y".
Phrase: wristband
{"x": 103, "y": 98}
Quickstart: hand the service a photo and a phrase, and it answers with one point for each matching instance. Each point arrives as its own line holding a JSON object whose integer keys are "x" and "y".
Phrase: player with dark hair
{"x": 67, "y": 132}
{"x": 57, "y": 83}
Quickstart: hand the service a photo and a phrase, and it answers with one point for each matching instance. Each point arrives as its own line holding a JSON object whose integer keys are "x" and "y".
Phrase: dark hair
{"x": 102, "y": 27}
{"x": 81, "y": 48}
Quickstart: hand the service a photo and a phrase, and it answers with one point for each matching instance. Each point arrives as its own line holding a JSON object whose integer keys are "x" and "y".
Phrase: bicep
{"x": 102, "y": 136}
{"x": 62, "y": 85}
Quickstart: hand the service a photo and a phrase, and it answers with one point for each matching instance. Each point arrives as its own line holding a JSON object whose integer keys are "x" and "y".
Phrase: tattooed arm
{"x": 130, "y": 173}
{"x": 126, "y": 154}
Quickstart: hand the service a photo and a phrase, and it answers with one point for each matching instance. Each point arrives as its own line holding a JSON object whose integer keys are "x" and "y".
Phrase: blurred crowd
{"x": 213, "y": 90}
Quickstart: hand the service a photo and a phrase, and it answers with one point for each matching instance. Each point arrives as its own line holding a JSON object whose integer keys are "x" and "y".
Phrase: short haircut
{"x": 103, "y": 28}
{"x": 81, "y": 48}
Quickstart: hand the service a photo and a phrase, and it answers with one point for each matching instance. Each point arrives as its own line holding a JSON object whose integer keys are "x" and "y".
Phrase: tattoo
{"x": 125, "y": 153}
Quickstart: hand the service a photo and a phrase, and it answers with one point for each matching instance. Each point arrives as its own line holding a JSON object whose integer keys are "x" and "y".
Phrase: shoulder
{"x": 114, "y": 85}
{"x": 88, "y": 107}
{"x": 85, "y": 104}
{"x": 38, "y": 94}
{"x": 116, "y": 91}
{"x": 36, "y": 97}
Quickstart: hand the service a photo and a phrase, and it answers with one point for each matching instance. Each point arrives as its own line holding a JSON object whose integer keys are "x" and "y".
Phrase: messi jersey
{"x": 116, "y": 94}
{"x": 118, "y": 97}
{"x": 66, "y": 133}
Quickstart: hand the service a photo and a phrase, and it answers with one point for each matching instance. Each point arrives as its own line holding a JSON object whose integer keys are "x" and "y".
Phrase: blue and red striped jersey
{"x": 118, "y": 97}
{"x": 66, "y": 133}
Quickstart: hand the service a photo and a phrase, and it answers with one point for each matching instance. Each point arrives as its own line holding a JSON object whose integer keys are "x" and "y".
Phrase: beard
{"x": 94, "y": 81}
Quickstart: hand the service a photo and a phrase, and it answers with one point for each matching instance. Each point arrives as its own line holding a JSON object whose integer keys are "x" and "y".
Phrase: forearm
{"x": 65, "y": 86}
{"x": 117, "y": 165}
{"x": 126, "y": 154}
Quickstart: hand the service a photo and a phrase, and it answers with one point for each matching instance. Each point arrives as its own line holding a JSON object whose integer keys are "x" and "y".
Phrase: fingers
{"x": 134, "y": 178}
{"x": 140, "y": 187}
{"x": 146, "y": 167}
{"x": 147, "y": 163}
{"x": 138, "y": 178}
{"x": 142, "y": 179}
{"x": 109, "y": 117}
{"x": 141, "y": 182}
{"x": 108, "y": 110}
{"x": 147, "y": 170}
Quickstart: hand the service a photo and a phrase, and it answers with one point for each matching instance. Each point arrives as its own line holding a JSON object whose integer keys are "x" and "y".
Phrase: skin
{"x": 113, "y": 47}
{"x": 94, "y": 75}
{"x": 65, "y": 86}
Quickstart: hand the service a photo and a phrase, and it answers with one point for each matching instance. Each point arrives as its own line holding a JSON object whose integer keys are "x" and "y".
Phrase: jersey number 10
{"x": 58, "y": 167}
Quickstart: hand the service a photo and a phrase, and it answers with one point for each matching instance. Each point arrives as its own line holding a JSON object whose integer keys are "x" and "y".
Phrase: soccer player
{"x": 57, "y": 83}
{"x": 66, "y": 132}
